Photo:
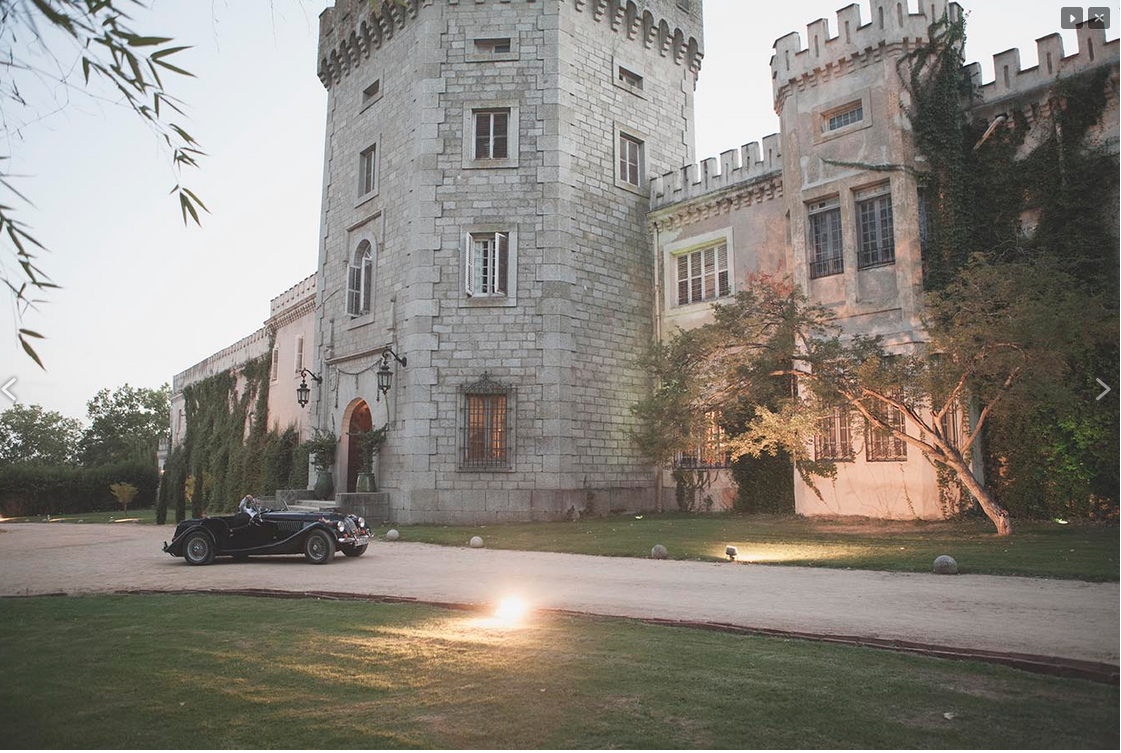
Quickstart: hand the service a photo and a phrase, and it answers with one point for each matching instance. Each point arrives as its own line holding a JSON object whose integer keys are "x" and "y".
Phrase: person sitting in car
{"x": 250, "y": 508}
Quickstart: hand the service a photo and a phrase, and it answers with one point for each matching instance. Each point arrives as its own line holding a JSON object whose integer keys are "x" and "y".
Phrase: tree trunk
{"x": 997, "y": 514}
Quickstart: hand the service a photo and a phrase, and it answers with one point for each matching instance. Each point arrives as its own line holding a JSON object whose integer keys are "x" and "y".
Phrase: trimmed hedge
{"x": 33, "y": 489}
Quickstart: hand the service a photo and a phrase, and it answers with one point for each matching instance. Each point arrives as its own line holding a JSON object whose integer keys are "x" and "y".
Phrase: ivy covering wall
{"x": 228, "y": 450}
{"x": 1033, "y": 183}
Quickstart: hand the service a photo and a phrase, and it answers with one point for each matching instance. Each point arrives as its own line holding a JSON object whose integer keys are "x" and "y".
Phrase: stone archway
{"x": 360, "y": 421}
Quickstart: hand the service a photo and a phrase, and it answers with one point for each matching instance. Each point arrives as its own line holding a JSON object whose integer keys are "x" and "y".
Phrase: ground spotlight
{"x": 732, "y": 552}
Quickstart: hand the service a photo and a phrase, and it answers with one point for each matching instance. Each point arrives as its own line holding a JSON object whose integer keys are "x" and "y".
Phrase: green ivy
{"x": 220, "y": 461}
{"x": 1061, "y": 459}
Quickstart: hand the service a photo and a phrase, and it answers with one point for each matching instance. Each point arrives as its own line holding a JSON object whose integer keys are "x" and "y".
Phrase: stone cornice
{"x": 755, "y": 191}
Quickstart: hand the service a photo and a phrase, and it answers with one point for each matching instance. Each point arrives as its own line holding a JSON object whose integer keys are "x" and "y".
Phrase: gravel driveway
{"x": 1068, "y": 619}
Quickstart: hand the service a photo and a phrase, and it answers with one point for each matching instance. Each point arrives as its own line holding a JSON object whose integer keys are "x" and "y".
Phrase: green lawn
{"x": 218, "y": 672}
{"x": 146, "y": 515}
{"x": 1086, "y": 552}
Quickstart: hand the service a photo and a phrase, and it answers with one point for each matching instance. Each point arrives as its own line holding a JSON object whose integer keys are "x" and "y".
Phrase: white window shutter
{"x": 468, "y": 266}
{"x": 502, "y": 267}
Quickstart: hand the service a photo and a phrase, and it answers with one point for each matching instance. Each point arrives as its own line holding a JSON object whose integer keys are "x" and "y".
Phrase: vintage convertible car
{"x": 315, "y": 535}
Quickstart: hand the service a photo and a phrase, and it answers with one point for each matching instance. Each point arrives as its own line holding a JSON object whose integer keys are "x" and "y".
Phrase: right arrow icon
{"x": 1108, "y": 389}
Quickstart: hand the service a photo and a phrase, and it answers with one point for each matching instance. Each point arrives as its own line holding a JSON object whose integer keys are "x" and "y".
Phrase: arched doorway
{"x": 360, "y": 422}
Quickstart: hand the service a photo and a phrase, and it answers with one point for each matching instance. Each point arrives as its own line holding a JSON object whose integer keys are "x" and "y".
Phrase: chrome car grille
{"x": 351, "y": 527}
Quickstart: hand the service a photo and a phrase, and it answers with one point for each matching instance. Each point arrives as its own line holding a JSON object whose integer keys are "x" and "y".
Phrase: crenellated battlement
{"x": 233, "y": 356}
{"x": 734, "y": 166}
{"x": 294, "y": 295}
{"x": 827, "y": 55}
{"x": 352, "y": 30}
{"x": 1011, "y": 80}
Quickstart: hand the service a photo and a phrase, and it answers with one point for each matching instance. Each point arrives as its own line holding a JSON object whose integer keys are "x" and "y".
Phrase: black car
{"x": 315, "y": 535}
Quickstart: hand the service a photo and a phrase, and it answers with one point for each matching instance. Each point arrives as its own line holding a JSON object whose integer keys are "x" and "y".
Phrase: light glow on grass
{"x": 511, "y": 613}
{"x": 127, "y": 520}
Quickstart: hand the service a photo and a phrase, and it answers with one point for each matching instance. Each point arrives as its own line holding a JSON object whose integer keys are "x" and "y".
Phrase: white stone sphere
{"x": 392, "y": 534}
{"x": 659, "y": 552}
{"x": 476, "y": 542}
{"x": 945, "y": 565}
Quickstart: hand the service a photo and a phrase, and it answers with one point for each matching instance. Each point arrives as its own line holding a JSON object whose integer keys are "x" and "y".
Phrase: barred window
{"x": 952, "y": 426}
{"x": 498, "y": 46}
{"x": 714, "y": 453}
{"x": 486, "y": 426}
{"x": 852, "y": 114}
{"x": 630, "y": 78}
{"x": 880, "y": 444}
{"x": 492, "y": 134}
{"x": 488, "y": 264}
{"x": 834, "y": 440}
{"x": 703, "y": 275}
{"x": 877, "y": 229}
{"x": 826, "y": 249}
{"x": 630, "y": 159}
{"x": 360, "y": 280}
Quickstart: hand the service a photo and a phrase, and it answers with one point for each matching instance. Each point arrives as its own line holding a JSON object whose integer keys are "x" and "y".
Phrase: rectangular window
{"x": 492, "y": 134}
{"x": 880, "y": 444}
{"x": 488, "y": 264}
{"x": 714, "y": 452}
{"x": 486, "y": 437}
{"x": 630, "y": 78}
{"x": 851, "y": 114}
{"x": 500, "y": 46}
{"x": 371, "y": 92}
{"x": 877, "y": 230}
{"x": 367, "y": 171}
{"x": 630, "y": 160}
{"x": 703, "y": 275}
{"x": 952, "y": 426}
{"x": 299, "y": 353}
{"x": 826, "y": 249}
{"x": 274, "y": 368}
{"x": 834, "y": 442}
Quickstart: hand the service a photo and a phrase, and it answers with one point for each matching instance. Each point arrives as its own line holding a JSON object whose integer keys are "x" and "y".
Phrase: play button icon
{"x": 1072, "y": 17}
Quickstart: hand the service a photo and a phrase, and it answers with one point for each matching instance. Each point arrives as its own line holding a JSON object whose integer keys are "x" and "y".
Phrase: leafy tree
{"x": 125, "y": 424}
{"x": 1000, "y": 337}
{"x": 73, "y": 46}
{"x": 29, "y": 434}
{"x": 125, "y": 493}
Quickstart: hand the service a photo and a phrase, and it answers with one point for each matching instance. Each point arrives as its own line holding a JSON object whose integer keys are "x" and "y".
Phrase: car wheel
{"x": 198, "y": 549}
{"x": 355, "y": 551}
{"x": 319, "y": 547}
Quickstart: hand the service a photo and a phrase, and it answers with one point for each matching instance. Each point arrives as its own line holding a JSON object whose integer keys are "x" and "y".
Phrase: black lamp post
{"x": 385, "y": 375}
{"x": 303, "y": 392}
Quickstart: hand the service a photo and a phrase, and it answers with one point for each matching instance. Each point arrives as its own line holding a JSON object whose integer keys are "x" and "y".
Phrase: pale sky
{"x": 143, "y": 297}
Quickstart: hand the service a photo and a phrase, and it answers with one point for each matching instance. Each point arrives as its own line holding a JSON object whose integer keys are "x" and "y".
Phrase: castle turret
{"x": 485, "y": 195}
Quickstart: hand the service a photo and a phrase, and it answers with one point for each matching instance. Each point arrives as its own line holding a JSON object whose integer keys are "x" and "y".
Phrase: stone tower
{"x": 484, "y": 214}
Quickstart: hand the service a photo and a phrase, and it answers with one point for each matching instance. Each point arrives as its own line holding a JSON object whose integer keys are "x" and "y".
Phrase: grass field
{"x": 1085, "y": 552}
{"x": 145, "y": 515}
{"x": 218, "y": 672}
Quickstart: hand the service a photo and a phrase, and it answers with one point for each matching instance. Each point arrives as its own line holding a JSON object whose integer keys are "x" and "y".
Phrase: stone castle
{"x": 511, "y": 204}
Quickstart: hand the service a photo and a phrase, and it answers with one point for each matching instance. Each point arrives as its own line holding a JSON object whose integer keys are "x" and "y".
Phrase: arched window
{"x": 360, "y": 283}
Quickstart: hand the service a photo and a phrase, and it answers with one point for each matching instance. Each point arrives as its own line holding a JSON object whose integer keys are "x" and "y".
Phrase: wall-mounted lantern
{"x": 303, "y": 392}
{"x": 385, "y": 375}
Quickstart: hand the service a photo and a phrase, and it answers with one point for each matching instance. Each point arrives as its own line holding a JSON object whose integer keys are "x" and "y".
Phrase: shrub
{"x": 32, "y": 489}
{"x": 125, "y": 493}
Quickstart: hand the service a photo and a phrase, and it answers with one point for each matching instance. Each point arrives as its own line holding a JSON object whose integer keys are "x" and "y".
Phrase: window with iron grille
{"x": 703, "y": 275}
{"x": 853, "y": 113}
{"x": 952, "y": 426}
{"x": 630, "y": 159}
{"x": 360, "y": 280}
{"x": 880, "y": 444}
{"x": 714, "y": 453}
{"x": 367, "y": 171}
{"x": 492, "y": 134}
{"x": 486, "y": 437}
{"x": 834, "y": 439}
{"x": 826, "y": 248}
{"x": 877, "y": 229}
{"x": 488, "y": 264}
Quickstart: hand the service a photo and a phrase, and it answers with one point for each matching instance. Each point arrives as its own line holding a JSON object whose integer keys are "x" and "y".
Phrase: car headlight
{"x": 361, "y": 522}
{"x": 340, "y": 526}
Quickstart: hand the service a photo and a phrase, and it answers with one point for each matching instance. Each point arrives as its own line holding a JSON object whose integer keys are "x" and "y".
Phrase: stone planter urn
{"x": 367, "y": 482}
{"x": 324, "y": 485}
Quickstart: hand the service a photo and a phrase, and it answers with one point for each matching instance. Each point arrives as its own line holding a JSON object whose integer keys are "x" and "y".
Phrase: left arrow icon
{"x": 7, "y": 389}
